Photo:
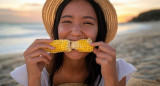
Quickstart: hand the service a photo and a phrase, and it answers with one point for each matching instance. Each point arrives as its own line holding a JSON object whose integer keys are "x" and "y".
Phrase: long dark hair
{"x": 93, "y": 69}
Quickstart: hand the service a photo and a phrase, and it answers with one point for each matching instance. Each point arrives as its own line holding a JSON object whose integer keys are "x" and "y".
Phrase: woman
{"x": 74, "y": 20}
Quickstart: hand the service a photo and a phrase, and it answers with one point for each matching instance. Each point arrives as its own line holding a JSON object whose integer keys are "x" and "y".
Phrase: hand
{"x": 36, "y": 57}
{"x": 106, "y": 57}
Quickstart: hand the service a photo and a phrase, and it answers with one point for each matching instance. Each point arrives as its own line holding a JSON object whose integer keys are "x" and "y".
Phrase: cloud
{"x": 118, "y": 4}
{"x": 6, "y": 11}
{"x": 32, "y": 5}
{"x": 13, "y": 16}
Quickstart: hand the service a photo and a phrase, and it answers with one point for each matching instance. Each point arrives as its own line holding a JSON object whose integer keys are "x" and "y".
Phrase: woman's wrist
{"x": 34, "y": 81}
{"x": 111, "y": 81}
{"x": 33, "y": 74}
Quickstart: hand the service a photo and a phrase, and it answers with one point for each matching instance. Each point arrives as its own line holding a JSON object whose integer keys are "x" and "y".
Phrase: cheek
{"x": 91, "y": 33}
{"x": 62, "y": 32}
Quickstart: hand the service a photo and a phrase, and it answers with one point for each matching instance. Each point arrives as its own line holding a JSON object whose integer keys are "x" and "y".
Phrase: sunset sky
{"x": 29, "y": 11}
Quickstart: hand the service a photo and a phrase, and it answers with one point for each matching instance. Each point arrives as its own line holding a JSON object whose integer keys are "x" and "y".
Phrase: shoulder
{"x": 124, "y": 69}
{"x": 21, "y": 76}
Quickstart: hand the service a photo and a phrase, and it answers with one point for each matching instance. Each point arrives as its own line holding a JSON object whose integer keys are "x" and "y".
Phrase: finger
{"x": 94, "y": 44}
{"x": 103, "y": 55}
{"x": 107, "y": 49}
{"x": 39, "y": 59}
{"x": 100, "y": 61}
{"x": 40, "y": 46}
{"x": 101, "y": 43}
{"x": 104, "y": 47}
{"x": 37, "y": 41}
{"x": 38, "y": 53}
{"x": 95, "y": 50}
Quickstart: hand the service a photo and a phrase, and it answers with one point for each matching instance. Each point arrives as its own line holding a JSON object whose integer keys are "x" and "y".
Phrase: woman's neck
{"x": 71, "y": 68}
{"x": 74, "y": 66}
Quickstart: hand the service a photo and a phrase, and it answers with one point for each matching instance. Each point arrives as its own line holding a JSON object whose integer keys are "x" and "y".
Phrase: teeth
{"x": 62, "y": 45}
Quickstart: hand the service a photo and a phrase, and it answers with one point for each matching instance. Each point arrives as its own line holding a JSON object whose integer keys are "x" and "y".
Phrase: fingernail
{"x": 91, "y": 44}
{"x": 50, "y": 58}
{"x": 50, "y": 40}
{"x": 52, "y": 47}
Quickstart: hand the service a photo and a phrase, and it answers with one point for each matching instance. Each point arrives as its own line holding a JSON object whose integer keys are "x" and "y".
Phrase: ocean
{"x": 15, "y": 38}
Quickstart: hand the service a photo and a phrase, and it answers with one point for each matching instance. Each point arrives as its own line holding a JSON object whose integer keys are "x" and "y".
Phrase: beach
{"x": 140, "y": 48}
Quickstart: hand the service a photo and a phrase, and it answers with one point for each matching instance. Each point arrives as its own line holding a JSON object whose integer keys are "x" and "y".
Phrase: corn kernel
{"x": 82, "y": 45}
{"x": 60, "y": 46}
{"x": 64, "y": 45}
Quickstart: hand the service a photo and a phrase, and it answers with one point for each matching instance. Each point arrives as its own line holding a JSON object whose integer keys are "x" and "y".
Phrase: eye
{"x": 88, "y": 23}
{"x": 66, "y": 22}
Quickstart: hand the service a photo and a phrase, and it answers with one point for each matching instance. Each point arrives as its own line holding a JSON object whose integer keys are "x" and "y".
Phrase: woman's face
{"x": 78, "y": 21}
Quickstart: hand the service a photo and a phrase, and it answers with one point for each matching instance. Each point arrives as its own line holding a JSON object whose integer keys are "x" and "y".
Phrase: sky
{"x": 29, "y": 11}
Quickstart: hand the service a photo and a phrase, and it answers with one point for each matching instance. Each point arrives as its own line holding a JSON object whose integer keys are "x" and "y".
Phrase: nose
{"x": 76, "y": 31}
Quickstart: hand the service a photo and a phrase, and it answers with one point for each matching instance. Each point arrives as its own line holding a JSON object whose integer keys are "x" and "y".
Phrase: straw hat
{"x": 51, "y": 6}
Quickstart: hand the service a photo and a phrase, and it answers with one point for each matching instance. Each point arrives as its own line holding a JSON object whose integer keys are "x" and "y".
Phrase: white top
{"x": 124, "y": 69}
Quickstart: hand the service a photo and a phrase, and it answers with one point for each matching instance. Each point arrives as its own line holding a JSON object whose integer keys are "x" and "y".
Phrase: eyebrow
{"x": 89, "y": 17}
{"x": 85, "y": 17}
{"x": 65, "y": 16}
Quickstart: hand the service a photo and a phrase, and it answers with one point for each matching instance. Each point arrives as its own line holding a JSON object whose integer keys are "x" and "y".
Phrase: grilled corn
{"x": 81, "y": 45}
{"x": 59, "y": 46}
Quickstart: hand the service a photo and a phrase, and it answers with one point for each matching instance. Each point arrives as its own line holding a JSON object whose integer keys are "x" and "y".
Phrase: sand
{"x": 142, "y": 49}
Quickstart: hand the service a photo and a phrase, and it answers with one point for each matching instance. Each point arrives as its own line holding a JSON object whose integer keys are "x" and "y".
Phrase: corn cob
{"x": 81, "y": 45}
{"x": 60, "y": 46}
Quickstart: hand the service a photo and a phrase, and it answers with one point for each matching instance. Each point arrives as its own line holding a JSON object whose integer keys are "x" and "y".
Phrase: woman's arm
{"x": 36, "y": 58}
{"x": 122, "y": 82}
{"x": 34, "y": 81}
{"x": 106, "y": 58}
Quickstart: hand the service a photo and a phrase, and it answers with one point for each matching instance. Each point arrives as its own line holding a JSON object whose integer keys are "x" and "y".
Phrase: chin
{"x": 75, "y": 55}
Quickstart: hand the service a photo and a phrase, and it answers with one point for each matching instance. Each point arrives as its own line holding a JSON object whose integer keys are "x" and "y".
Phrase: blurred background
{"x": 137, "y": 40}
